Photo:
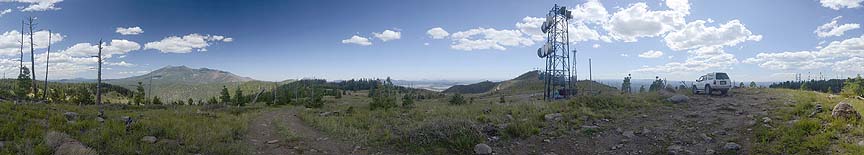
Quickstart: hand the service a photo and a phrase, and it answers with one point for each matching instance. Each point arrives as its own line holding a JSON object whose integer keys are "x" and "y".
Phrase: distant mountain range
{"x": 174, "y": 83}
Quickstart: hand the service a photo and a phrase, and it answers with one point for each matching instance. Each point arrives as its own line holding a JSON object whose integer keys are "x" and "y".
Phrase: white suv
{"x": 711, "y": 82}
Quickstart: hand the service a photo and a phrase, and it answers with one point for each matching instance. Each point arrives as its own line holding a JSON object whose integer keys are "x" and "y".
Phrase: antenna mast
{"x": 558, "y": 75}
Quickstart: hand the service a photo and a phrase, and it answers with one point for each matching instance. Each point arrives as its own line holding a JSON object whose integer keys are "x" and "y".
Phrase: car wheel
{"x": 707, "y": 89}
{"x": 694, "y": 90}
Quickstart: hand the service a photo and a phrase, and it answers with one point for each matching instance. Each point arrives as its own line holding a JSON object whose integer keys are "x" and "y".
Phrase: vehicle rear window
{"x": 722, "y": 76}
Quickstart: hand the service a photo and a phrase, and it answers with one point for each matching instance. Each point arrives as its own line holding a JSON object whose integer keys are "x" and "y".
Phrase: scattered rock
{"x": 618, "y": 146}
{"x": 550, "y": 153}
{"x": 482, "y": 149}
{"x": 678, "y": 98}
{"x": 844, "y": 110}
{"x": 732, "y": 146}
{"x": 706, "y": 137}
{"x": 710, "y": 152}
{"x": 644, "y": 116}
{"x": 149, "y": 139}
{"x": 766, "y": 120}
{"x": 71, "y": 116}
{"x": 63, "y": 144}
{"x": 272, "y": 141}
{"x": 552, "y": 117}
{"x": 628, "y": 134}
{"x": 547, "y": 141}
{"x": 645, "y": 131}
{"x": 2, "y": 143}
{"x": 487, "y": 110}
{"x": 675, "y": 149}
{"x": 590, "y": 127}
{"x": 860, "y": 143}
{"x": 509, "y": 117}
{"x": 818, "y": 110}
{"x": 100, "y": 120}
{"x": 490, "y": 130}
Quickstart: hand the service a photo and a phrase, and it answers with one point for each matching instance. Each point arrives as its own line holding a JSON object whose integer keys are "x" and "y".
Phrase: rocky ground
{"x": 282, "y": 132}
{"x": 702, "y": 125}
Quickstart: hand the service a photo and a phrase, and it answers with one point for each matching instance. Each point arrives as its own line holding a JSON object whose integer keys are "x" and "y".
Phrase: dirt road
{"x": 704, "y": 125}
{"x": 282, "y": 132}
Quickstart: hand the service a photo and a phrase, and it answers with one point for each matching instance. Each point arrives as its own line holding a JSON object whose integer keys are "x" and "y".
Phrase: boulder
{"x": 629, "y": 134}
{"x": 71, "y": 116}
{"x": 678, "y": 98}
{"x": 74, "y": 148}
{"x": 675, "y": 149}
{"x": 482, "y": 149}
{"x": 149, "y": 139}
{"x": 845, "y": 110}
{"x": 732, "y": 146}
{"x": 272, "y": 141}
{"x": 100, "y": 119}
{"x": 552, "y": 117}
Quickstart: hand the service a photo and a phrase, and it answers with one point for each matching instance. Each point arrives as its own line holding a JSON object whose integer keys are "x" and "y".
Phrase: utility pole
{"x": 47, "y": 58}
{"x": 32, "y": 57}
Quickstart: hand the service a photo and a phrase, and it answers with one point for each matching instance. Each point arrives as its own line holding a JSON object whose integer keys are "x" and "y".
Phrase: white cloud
{"x": 5, "y": 12}
{"x": 185, "y": 44}
{"x": 10, "y": 41}
{"x": 437, "y": 33}
{"x": 121, "y": 63}
{"x": 833, "y": 29}
{"x": 591, "y": 11}
{"x": 678, "y": 5}
{"x": 852, "y": 65}
{"x": 490, "y": 38}
{"x": 595, "y": 46}
{"x": 837, "y": 54}
{"x": 698, "y": 60}
{"x": 357, "y": 40}
{"x": 109, "y": 49}
{"x": 696, "y": 35}
{"x": 651, "y": 54}
{"x": 625, "y": 55}
{"x": 388, "y": 35}
{"x": 36, "y": 5}
{"x": 838, "y": 4}
{"x": 130, "y": 30}
{"x": 531, "y": 26}
{"x": 637, "y": 21}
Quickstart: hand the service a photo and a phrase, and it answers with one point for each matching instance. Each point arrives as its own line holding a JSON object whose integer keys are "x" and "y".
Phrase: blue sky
{"x": 764, "y": 40}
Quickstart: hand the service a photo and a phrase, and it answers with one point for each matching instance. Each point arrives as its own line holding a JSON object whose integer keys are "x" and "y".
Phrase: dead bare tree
{"x": 31, "y": 24}
{"x": 21, "y": 50}
{"x": 47, "y": 58}
{"x": 99, "y": 80}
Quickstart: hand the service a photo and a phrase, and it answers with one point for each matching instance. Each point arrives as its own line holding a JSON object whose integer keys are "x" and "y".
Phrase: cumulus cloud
{"x": 437, "y": 33}
{"x": 388, "y": 35}
{"x": 130, "y": 30}
{"x": 531, "y": 26}
{"x": 10, "y": 41}
{"x": 591, "y": 11}
{"x": 78, "y": 58}
{"x": 357, "y": 40}
{"x": 837, "y": 54}
{"x": 637, "y": 21}
{"x": 186, "y": 44}
{"x": 698, "y": 60}
{"x": 833, "y": 29}
{"x": 36, "y": 5}
{"x": 651, "y": 54}
{"x": 5, "y": 12}
{"x": 488, "y": 38}
{"x": 838, "y": 4}
{"x": 696, "y": 35}
{"x": 852, "y": 65}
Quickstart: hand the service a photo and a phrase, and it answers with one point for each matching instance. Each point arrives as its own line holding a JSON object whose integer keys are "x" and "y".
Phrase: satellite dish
{"x": 540, "y": 52}
{"x": 548, "y": 23}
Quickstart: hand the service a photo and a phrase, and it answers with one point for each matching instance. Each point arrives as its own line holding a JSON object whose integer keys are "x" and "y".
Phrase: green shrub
{"x": 454, "y": 136}
{"x": 522, "y": 129}
{"x": 457, "y": 99}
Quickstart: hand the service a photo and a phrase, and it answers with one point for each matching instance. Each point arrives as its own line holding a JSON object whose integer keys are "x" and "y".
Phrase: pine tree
{"x": 642, "y": 89}
{"x": 190, "y": 101}
{"x": 407, "y": 100}
{"x": 457, "y": 99}
{"x": 23, "y": 83}
{"x": 139, "y": 97}
{"x": 753, "y": 84}
{"x": 804, "y": 86}
{"x": 238, "y": 97}
{"x": 156, "y": 100}
{"x": 225, "y": 97}
{"x": 625, "y": 86}
{"x": 741, "y": 85}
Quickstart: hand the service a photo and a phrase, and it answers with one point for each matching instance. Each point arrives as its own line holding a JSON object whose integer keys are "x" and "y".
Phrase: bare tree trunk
{"x": 99, "y": 80}
{"x": 32, "y": 57}
{"x": 21, "y": 50}
{"x": 47, "y": 58}
{"x": 256, "y": 95}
